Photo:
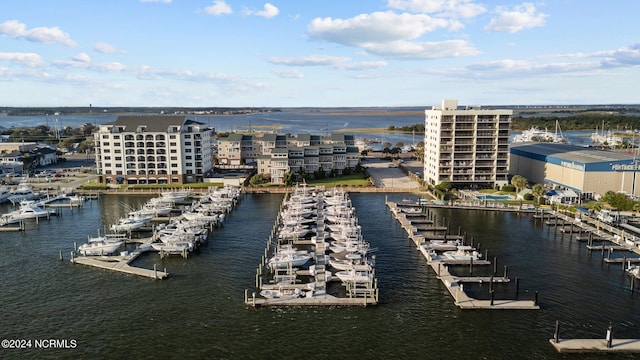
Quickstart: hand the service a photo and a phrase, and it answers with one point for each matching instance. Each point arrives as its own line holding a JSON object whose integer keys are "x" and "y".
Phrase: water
{"x": 199, "y": 312}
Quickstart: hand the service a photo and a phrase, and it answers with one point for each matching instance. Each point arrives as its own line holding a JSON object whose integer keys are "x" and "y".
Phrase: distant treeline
{"x": 573, "y": 122}
{"x": 577, "y": 122}
{"x": 85, "y": 110}
{"x": 419, "y": 128}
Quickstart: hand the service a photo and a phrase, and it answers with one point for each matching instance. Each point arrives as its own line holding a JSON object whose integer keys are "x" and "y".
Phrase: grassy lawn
{"x": 346, "y": 180}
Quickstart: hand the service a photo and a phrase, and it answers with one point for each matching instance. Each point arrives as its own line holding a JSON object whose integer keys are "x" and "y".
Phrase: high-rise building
{"x": 467, "y": 146}
{"x": 153, "y": 150}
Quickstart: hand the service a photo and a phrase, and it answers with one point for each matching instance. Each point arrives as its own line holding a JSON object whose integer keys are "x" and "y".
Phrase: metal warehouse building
{"x": 587, "y": 171}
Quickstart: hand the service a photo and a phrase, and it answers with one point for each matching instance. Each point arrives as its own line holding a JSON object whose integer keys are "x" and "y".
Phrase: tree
{"x": 538, "y": 191}
{"x": 288, "y": 178}
{"x": 520, "y": 182}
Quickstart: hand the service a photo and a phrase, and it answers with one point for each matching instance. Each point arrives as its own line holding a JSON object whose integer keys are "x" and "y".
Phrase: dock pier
{"x": 121, "y": 263}
{"x": 455, "y": 284}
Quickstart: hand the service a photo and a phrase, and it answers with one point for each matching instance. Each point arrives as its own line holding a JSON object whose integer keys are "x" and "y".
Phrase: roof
{"x": 577, "y": 157}
{"x": 152, "y": 123}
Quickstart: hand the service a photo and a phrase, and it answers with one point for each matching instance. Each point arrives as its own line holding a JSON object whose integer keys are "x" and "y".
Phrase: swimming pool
{"x": 492, "y": 197}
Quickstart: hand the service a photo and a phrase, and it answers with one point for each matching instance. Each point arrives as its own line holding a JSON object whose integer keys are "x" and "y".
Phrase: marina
{"x": 206, "y": 293}
{"x": 180, "y": 236}
{"x": 325, "y": 222}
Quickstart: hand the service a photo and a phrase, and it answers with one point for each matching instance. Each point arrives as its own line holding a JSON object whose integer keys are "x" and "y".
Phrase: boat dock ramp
{"x": 446, "y": 243}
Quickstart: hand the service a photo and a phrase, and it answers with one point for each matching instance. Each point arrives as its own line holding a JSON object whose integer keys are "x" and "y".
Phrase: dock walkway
{"x": 454, "y": 284}
{"x": 121, "y": 263}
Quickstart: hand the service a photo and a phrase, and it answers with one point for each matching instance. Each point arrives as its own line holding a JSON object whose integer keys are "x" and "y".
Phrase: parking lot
{"x": 385, "y": 173}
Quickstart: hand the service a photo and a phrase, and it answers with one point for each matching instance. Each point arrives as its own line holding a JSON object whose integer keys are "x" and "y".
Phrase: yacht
{"x": 102, "y": 245}
{"x": 27, "y": 210}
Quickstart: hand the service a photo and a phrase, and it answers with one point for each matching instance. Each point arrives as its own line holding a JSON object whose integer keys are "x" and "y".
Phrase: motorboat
{"x": 465, "y": 253}
{"x": 354, "y": 276}
{"x": 287, "y": 256}
{"x": 444, "y": 245}
{"x": 282, "y": 293}
{"x": 102, "y": 245}
{"x": 23, "y": 192}
{"x": 130, "y": 224}
{"x": 27, "y": 210}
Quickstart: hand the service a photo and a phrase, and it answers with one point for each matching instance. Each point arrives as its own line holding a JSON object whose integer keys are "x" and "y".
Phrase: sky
{"x": 318, "y": 53}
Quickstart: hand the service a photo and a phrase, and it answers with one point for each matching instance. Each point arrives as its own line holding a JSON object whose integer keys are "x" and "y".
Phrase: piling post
{"x": 470, "y": 266}
{"x": 624, "y": 262}
{"x": 155, "y": 271}
{"x": 505, "y": 271}
{"x": 246, "y": 295}
{"x": 535, "y": 298}
{"x": 491, "y": 285}
{"x": 609, "y": 336}
{"x": 633, "y": 282}
{"x": 254, "y": 299}
{"x": 439, "y": 268}
{"x": 495, "y": 265}
{"x": 556, "y": 333}
{"x": 486, "y": 253}
{"x": 60, "y": 255}
{"x": 517, "y": 287}
{"x": 491, "y": 297}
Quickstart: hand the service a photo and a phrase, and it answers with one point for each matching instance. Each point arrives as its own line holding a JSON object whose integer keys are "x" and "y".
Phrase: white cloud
{"x": 18, "y": 30}
{"x": 392, "y": 35}
{"x": 26, "y": 59}
{"x": 336, "y": 62}
{"x": 268, "y": 11}
{"x": 82, "y": 57}
{"x": 422, "y": 50}
{"x": 522, "y": 17}
{"x": 376, "y": 27}
{"x": 364, "y": 65}
{"x": 105, "y": 48}
{"x": 218, "y": 8}
{"x": 446, "y": 8}
{"x": 290, "y": 74}
{"x": 627, "y": 56}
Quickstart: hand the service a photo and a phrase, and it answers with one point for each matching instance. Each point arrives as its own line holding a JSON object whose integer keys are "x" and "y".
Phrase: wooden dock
{"x": 318, "y": 300}
{"x": 454, "y": 284}
{"x": 121, "y": 263}
{"x": 596, "y": 345}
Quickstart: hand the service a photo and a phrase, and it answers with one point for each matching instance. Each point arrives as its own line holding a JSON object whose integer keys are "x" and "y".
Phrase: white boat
{"x": 537, "y": 135}
{"x": 102, "y": 245}
{"x": 353, "y": 276}
{"x": 287, "y": 256}
{"x": 282, "y": 293}
{"x": 22, "y": 193}
{"x": 465, "y": 253}
{"x": 444, "y": 245}
{"x": 130, "y": 224}
{"x": 27, "y": 210}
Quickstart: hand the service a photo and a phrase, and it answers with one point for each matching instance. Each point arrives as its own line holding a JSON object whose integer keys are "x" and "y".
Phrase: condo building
{"x": 467, "y": 146}
{"x": 153, "y": 150}
{"x": 275, "y": 155}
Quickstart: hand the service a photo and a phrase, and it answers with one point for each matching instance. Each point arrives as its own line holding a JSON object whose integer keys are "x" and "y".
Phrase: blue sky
{"x": 320, "y": 53}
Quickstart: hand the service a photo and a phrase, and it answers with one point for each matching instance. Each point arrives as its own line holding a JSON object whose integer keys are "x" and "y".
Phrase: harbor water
{"x": 199, "y": 311}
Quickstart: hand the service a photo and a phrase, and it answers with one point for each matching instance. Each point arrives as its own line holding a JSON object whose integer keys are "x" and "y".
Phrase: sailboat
{"x": 537, "y": 135}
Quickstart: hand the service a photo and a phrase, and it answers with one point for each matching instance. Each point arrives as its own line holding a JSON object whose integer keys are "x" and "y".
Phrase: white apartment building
{"x": 153, "y": 150}
{"x": 466, "y": 146}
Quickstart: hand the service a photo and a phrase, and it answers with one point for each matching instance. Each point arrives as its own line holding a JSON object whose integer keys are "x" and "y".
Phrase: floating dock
{"x": 596, "y": 345}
